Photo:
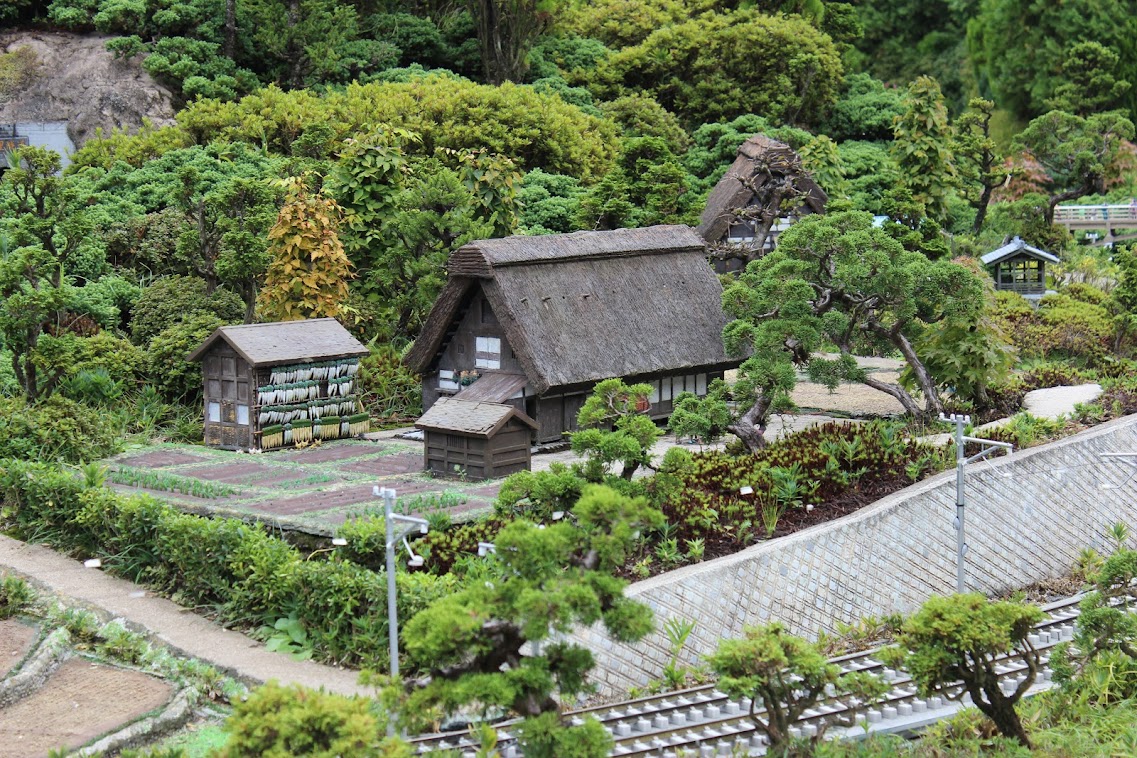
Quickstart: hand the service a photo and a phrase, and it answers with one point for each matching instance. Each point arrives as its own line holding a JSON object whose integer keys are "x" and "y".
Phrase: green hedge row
{"x": 237, "y": 570}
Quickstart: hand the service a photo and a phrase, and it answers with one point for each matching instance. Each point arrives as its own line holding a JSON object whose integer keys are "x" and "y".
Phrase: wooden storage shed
{"x": 271, "y": 385}
{"x": 476, "y": 440}
{"x": 1018, "y": 267}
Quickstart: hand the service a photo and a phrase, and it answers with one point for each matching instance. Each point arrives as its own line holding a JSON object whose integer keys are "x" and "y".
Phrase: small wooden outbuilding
{"x": 476, "y": 440}
{"x": 277, "y": 384}
{"x": 1018, "y": 267}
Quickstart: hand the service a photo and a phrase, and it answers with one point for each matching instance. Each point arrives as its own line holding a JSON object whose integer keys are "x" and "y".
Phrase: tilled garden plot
{"x": 314, "y": 489}
{"x": 16, "y": 641}
{"x": 80, "y": 701}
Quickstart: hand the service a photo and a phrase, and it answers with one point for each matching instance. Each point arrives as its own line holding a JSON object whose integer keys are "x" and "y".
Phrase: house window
{"x": 446, "y": 381}
{"x": 665, "y": 393}
{"x": 701, "y": 385}
{"x": 487, "y": 353}
{"x": 243, "y": 415}
{"x": 1022, "y": 272}
{"x": 653, "y": 398}
{"x": 741, "y": 231}
{"x": 215, "y": 413}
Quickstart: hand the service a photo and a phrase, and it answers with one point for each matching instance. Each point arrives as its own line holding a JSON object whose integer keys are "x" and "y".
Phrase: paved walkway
{"x": 1051, "y": 402}
{"x": 178, "y": 628}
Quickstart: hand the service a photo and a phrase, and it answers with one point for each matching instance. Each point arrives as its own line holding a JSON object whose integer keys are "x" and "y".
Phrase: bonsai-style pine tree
{"x": 1104, "y": 654}
{"x": 785, "y": 675}
{"x": 614, "y": 426}
{"x": 549, "y": 580}
{"x": 959, "y": 639}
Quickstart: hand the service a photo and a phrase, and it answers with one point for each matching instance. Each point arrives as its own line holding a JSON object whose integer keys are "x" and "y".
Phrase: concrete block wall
{"x": 1028, "y": 517}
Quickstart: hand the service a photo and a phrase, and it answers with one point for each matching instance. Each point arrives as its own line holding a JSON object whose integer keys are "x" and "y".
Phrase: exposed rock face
{"x": 76, "y": 80}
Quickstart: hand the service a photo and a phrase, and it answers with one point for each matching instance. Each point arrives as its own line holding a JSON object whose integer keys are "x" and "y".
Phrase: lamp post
{"x": 389, "y": 519}
{"x": 961, "y": 460}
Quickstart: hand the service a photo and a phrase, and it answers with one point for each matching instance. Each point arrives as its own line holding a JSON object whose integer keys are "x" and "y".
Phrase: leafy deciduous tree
{"x": 718, "y": 66}
{"x": 46, "y": 228}
{"x": 922, "y": 146}
{"x": 308, "y": 275}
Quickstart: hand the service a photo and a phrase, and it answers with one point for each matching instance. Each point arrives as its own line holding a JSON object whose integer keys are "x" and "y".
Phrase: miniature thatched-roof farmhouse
{"x": 270, "y": 385}
{"x": 536, "y": 322}
{"x": 760, "y": 195}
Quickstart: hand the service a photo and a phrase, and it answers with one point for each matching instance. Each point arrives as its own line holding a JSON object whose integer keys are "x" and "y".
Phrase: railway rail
{"x": 702, "y": 721}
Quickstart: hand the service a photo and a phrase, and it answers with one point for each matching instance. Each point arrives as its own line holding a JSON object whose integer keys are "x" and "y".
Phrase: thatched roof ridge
{"x": 281, "y": 342}
{"x": 579, "y": 314}
{"x": 755, "y": 155}
{"x": 482, "y": 257}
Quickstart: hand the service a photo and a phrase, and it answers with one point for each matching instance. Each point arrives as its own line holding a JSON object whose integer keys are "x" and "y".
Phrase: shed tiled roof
{"x": 493, "y": 387}
{"x": 478, "y": 419}
{"x": 282, "y": 342}
{"x": 1014, "y": 247}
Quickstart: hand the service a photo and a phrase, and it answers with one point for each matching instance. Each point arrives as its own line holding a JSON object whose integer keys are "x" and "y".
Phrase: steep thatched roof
{"x": 578, "y": 308}
{"x": 282, "y": 342}
{"x": 760, "y": 162}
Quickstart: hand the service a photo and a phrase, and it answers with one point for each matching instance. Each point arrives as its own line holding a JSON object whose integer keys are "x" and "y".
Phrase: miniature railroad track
{"x": 705, "y": 722}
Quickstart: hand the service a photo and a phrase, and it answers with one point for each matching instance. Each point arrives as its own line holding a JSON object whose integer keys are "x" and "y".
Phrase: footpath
{"x": 167, "y": 623}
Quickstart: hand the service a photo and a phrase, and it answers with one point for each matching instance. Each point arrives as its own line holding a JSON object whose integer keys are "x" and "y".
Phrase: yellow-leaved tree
{"x": 308, "y": 275}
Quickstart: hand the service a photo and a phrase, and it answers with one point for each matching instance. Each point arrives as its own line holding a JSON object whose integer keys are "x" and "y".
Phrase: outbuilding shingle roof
{"x": 283, "y": 342}
{"x": 465, "y": 417}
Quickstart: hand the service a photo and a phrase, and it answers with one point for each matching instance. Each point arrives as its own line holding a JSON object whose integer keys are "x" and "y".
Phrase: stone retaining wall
{"x": 1028, "y": 517}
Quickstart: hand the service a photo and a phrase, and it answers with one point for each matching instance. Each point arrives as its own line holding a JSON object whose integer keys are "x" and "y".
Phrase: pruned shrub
{"x": 56, "y": 429}
{"x": 247, "y": 575}
{"x": 285, "y": 721}
{"x": 172, "y": 299}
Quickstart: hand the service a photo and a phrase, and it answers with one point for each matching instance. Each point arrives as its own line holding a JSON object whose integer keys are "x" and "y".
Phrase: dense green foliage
{"x": 416, "y": 128}
{"x": 545, "y": 580}
{"x": 249, "y": 577}
{"x": 958, "y": 639}
{"x": 787, "y": 675}
{"x": 284, "y": 721}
